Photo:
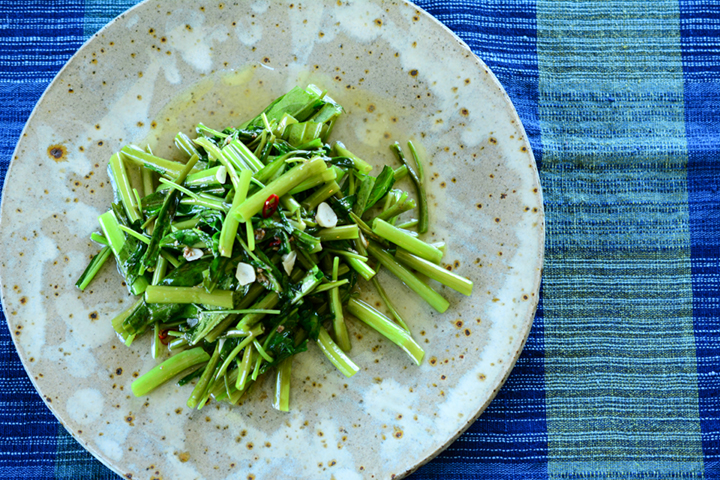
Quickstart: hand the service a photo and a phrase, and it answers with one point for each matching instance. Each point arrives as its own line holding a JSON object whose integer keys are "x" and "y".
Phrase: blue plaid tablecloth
{"x": 620, "y": 378}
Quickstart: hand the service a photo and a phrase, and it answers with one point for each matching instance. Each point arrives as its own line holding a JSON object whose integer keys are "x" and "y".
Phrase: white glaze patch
{"x": 85, "y": 405}
{"x": 132, "y": 21}
{"x": 196, "y": 45}
{"x": 33, "y": 337}
{"x": 248, "y": 32}
{"x": 260, "y": 6}
{"x": 385, "y": 402}
{"x": 110, "y": 447}
{"x": 305, "y": 28}
{"x": 357, "y": 19}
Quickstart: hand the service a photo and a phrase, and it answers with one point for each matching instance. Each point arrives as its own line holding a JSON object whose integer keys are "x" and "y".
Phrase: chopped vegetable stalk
{"x": 267, "y": 302}
{"x": 400, "y": 207}
{"x": 282, "y": 386}
{"x": 239, "y": 152}
{"x": 205, "y": 201}
{"x": 400, "y": 173}
{"x": 160, "y": 270}
{"x": 116, "y": 238}
{"x": 256, "y": 369}
{"x": 155, "y": 345}
{"x": 422, "y": 196}
{"x": 121, "y": 184}
{"x": 362, "y": 268}
{"x": 360, "y": 165}
{"x": 184, "y": 143}
{"x": 290, "y": 204}
{"x": 428, "y": 294}
{"x": 366, "y": 229}
{"x": 171, "y": 260}
{"x": 320, "y": 195}
{"x": 339, "y": 328}
{"x": 343, "y": 253}
{"x": 410, "y": 224}
{"x": 166, "y": 168}
{"x": 416, "y": 157}
{"x": 335, "y": 354}
{"x": 165, "y": 218}
{"x": 329, "y": 286}
{"x": 117, "y": 322}
{"x": 406, "y": 241}
{"x": 93, "y": 268}
{"x": 244, "y": 368}
{"x": 96, "y": 237}
{"x": 271, "y": 169}
{"x": 215, "y": 176}
{"x": 279, "y": 187}
{"x": 381, "y": 291}
{"x": 161, "y": 294}
{"x": 185, "y": 224}
{"x": 234, "y": 353}
{"x": 436, "y": 272}
{"x": 262, "y": 351}
{"x": 230, "y": 226}
{"x": 346, "y": 232}
{"x": 390, "y": 199}
{"x": 149, "y": 381}
{"x": 386, "y": 327}
{"x": 208, "y": 374}
{"x": 133, "y": 233}
{"x": 312, "y": 279}
{"x": 209, "y": 132}
{"x": 256, "y": 331}
{"x": 327, "y": 176}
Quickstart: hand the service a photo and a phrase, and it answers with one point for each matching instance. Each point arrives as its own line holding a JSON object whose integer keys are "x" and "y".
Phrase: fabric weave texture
{"x": 620, "y": 378}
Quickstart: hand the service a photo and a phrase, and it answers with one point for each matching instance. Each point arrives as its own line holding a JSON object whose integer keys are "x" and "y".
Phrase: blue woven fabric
{"x": 701, "y": 67}
{"x": 620, "y": 378}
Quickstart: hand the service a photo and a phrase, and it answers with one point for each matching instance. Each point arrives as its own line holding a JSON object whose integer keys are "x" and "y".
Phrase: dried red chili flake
{"x": 271, "y": 205}
{"x": 274, "y": 243}
{"x": 164, "y": 337}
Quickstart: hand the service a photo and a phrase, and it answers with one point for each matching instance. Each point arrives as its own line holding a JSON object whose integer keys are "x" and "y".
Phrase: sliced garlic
{"x": 326, "y": 216}
{"x": 288, "y": 261}
{"x": 221, "y": 174}
{"x": 364, "y": 240}
{"x": 192, "y": 254}
{"x": 245, "y": 273}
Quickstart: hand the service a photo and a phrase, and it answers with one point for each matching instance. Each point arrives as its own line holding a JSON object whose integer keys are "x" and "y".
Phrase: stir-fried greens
{"x": 254, "y": 246}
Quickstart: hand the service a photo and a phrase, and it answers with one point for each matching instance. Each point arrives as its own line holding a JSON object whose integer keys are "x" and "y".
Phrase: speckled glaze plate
{"x": 162, "y": 67}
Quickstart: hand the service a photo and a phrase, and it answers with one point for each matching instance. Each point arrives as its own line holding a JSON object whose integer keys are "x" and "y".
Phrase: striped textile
{"x": 620, "y": 378}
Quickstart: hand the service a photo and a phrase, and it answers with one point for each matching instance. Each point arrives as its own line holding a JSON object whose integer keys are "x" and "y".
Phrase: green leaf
{"x": 189, "y": 274}
{"x": 363, "y": 194}
{"x": 382, "y": 185}
{"x": 152, "y": 203}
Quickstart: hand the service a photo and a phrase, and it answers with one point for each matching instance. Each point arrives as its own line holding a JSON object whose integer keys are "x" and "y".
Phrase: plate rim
{"x": 527, "y": 322}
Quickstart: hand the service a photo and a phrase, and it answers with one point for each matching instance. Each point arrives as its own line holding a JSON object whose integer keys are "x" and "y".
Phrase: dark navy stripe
{"x": 700, "y": 40}
{"x": 509, "y": 441}
{"x": 36, "y": 39}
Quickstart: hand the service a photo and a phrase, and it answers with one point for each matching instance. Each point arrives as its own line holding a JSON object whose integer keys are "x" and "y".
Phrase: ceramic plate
{"x": 164, "y": 66}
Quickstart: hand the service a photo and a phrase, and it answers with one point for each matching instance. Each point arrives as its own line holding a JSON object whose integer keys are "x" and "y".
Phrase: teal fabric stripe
{"x": 620, "y": 353}
{"x": 73, "y": 462}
